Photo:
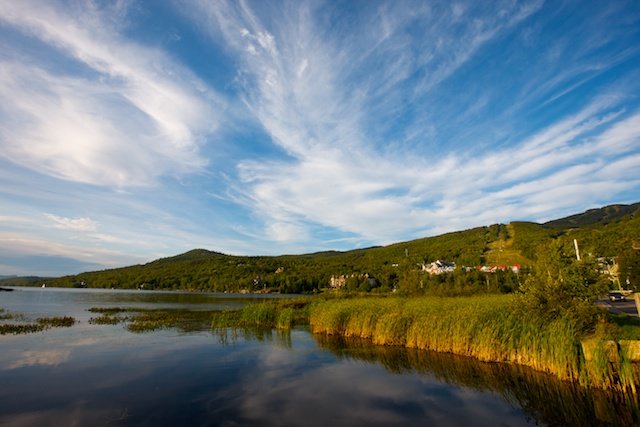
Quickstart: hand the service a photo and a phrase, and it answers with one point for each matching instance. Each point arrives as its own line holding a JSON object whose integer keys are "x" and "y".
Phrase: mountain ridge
{"x": 602, "y": 215}
{"x": 603, "y": 232}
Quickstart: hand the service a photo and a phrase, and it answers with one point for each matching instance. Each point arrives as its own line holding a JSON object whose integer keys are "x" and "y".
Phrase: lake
{"x": 92, "y": 374}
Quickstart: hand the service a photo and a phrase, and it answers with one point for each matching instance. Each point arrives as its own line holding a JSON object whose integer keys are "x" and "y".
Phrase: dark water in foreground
{"x": 105, "y": 375}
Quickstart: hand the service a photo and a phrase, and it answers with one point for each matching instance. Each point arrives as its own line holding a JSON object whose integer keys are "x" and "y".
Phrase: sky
{"x": 134, "y": 130}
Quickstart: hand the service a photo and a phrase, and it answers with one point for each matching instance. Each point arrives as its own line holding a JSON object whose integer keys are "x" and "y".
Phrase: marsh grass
{"x": 277, "y": 314}
{"x": 488, "y": 328}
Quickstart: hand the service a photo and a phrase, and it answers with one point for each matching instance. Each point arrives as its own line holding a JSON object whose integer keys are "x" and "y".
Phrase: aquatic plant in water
{"x": 141, "y": 320}
{"x": 22, "y": 325}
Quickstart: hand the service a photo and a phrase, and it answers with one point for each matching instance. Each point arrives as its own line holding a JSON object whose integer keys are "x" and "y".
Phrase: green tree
{"x": 629, "y": 269}
{"x": 561, "y": 286}
{"x": 411, "y": 283}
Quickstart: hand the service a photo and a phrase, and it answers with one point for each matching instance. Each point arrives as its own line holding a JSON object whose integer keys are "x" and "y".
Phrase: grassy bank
{"x": 488, "y": 328}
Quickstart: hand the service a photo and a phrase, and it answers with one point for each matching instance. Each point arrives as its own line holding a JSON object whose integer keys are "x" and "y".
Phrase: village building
{"x": 495, "y": 268}
{"x": 339, "y": 282}
{"x": 439, "y": 267}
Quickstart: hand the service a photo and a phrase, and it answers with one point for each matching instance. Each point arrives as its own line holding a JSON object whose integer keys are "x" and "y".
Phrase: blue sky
{"x": 133, "y": 130}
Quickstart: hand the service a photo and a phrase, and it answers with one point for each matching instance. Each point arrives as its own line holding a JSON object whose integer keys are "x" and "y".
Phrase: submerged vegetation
{"x": 20, "y": 328}
{"x": 148, "y": 320}
{"x": 56, "y": 322}
{"x": 15, "y": 323}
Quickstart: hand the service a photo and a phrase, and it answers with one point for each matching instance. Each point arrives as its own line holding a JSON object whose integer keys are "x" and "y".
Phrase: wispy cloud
{"x": 271, "y": 127}
{"x": 338, "y": 174}
{"x": 78, "y": 224}
{"x": 98, "y": 108}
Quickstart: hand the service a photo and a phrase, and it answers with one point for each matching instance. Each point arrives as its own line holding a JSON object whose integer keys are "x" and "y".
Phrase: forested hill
{"x": 603, "y": 216}
{"x": 606, "y": 232}
{"x": 200, "y": 269}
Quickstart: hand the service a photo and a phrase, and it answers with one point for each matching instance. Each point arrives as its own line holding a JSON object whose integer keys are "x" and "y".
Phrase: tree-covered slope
{"x": 600, "y": 216}
{"x": 605, "y": 233}
{"x": 610, "y": 239}
{"x": 200, "y": 269}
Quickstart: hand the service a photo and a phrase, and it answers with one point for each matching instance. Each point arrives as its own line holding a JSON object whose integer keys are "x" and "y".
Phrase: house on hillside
{"x": 337, "y": 282}
{"x": 495, "y": 268}
{"x": 439, "y": 267}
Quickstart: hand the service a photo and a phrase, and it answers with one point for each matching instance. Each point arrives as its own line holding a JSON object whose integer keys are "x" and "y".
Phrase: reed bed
{"x": 278, "y": 314}
{"x": 489, "y": 328}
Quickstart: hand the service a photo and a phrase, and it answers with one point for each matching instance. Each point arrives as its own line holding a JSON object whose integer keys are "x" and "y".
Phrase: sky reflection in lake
{"x": 164, "y": 378}
{"x": 106, "y": 375}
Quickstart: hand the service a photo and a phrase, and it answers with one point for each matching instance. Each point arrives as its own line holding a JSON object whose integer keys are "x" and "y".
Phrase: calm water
{"x": 106, "y": 375}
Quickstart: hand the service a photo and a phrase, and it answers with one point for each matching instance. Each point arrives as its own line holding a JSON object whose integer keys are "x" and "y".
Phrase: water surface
{"x": 105, "y": 375}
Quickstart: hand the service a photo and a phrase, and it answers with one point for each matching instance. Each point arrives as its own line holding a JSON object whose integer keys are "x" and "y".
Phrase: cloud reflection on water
{"x": 356, "y": 393}
{"x": 41, "y": 358}
{"x": 268, "y": 378}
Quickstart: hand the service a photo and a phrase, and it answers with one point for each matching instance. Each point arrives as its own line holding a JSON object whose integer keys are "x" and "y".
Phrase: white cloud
{"x": 386, "y": 122}
{"x": 286, "y": 232}
{"x": 621, "y": 137}
{"x": 75, "y": 224}
{"x": 321, "y": 97}
{"x": 23, "y": 245}
{"x": 41, "y": 358}
{"x": 120, "y": 114}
